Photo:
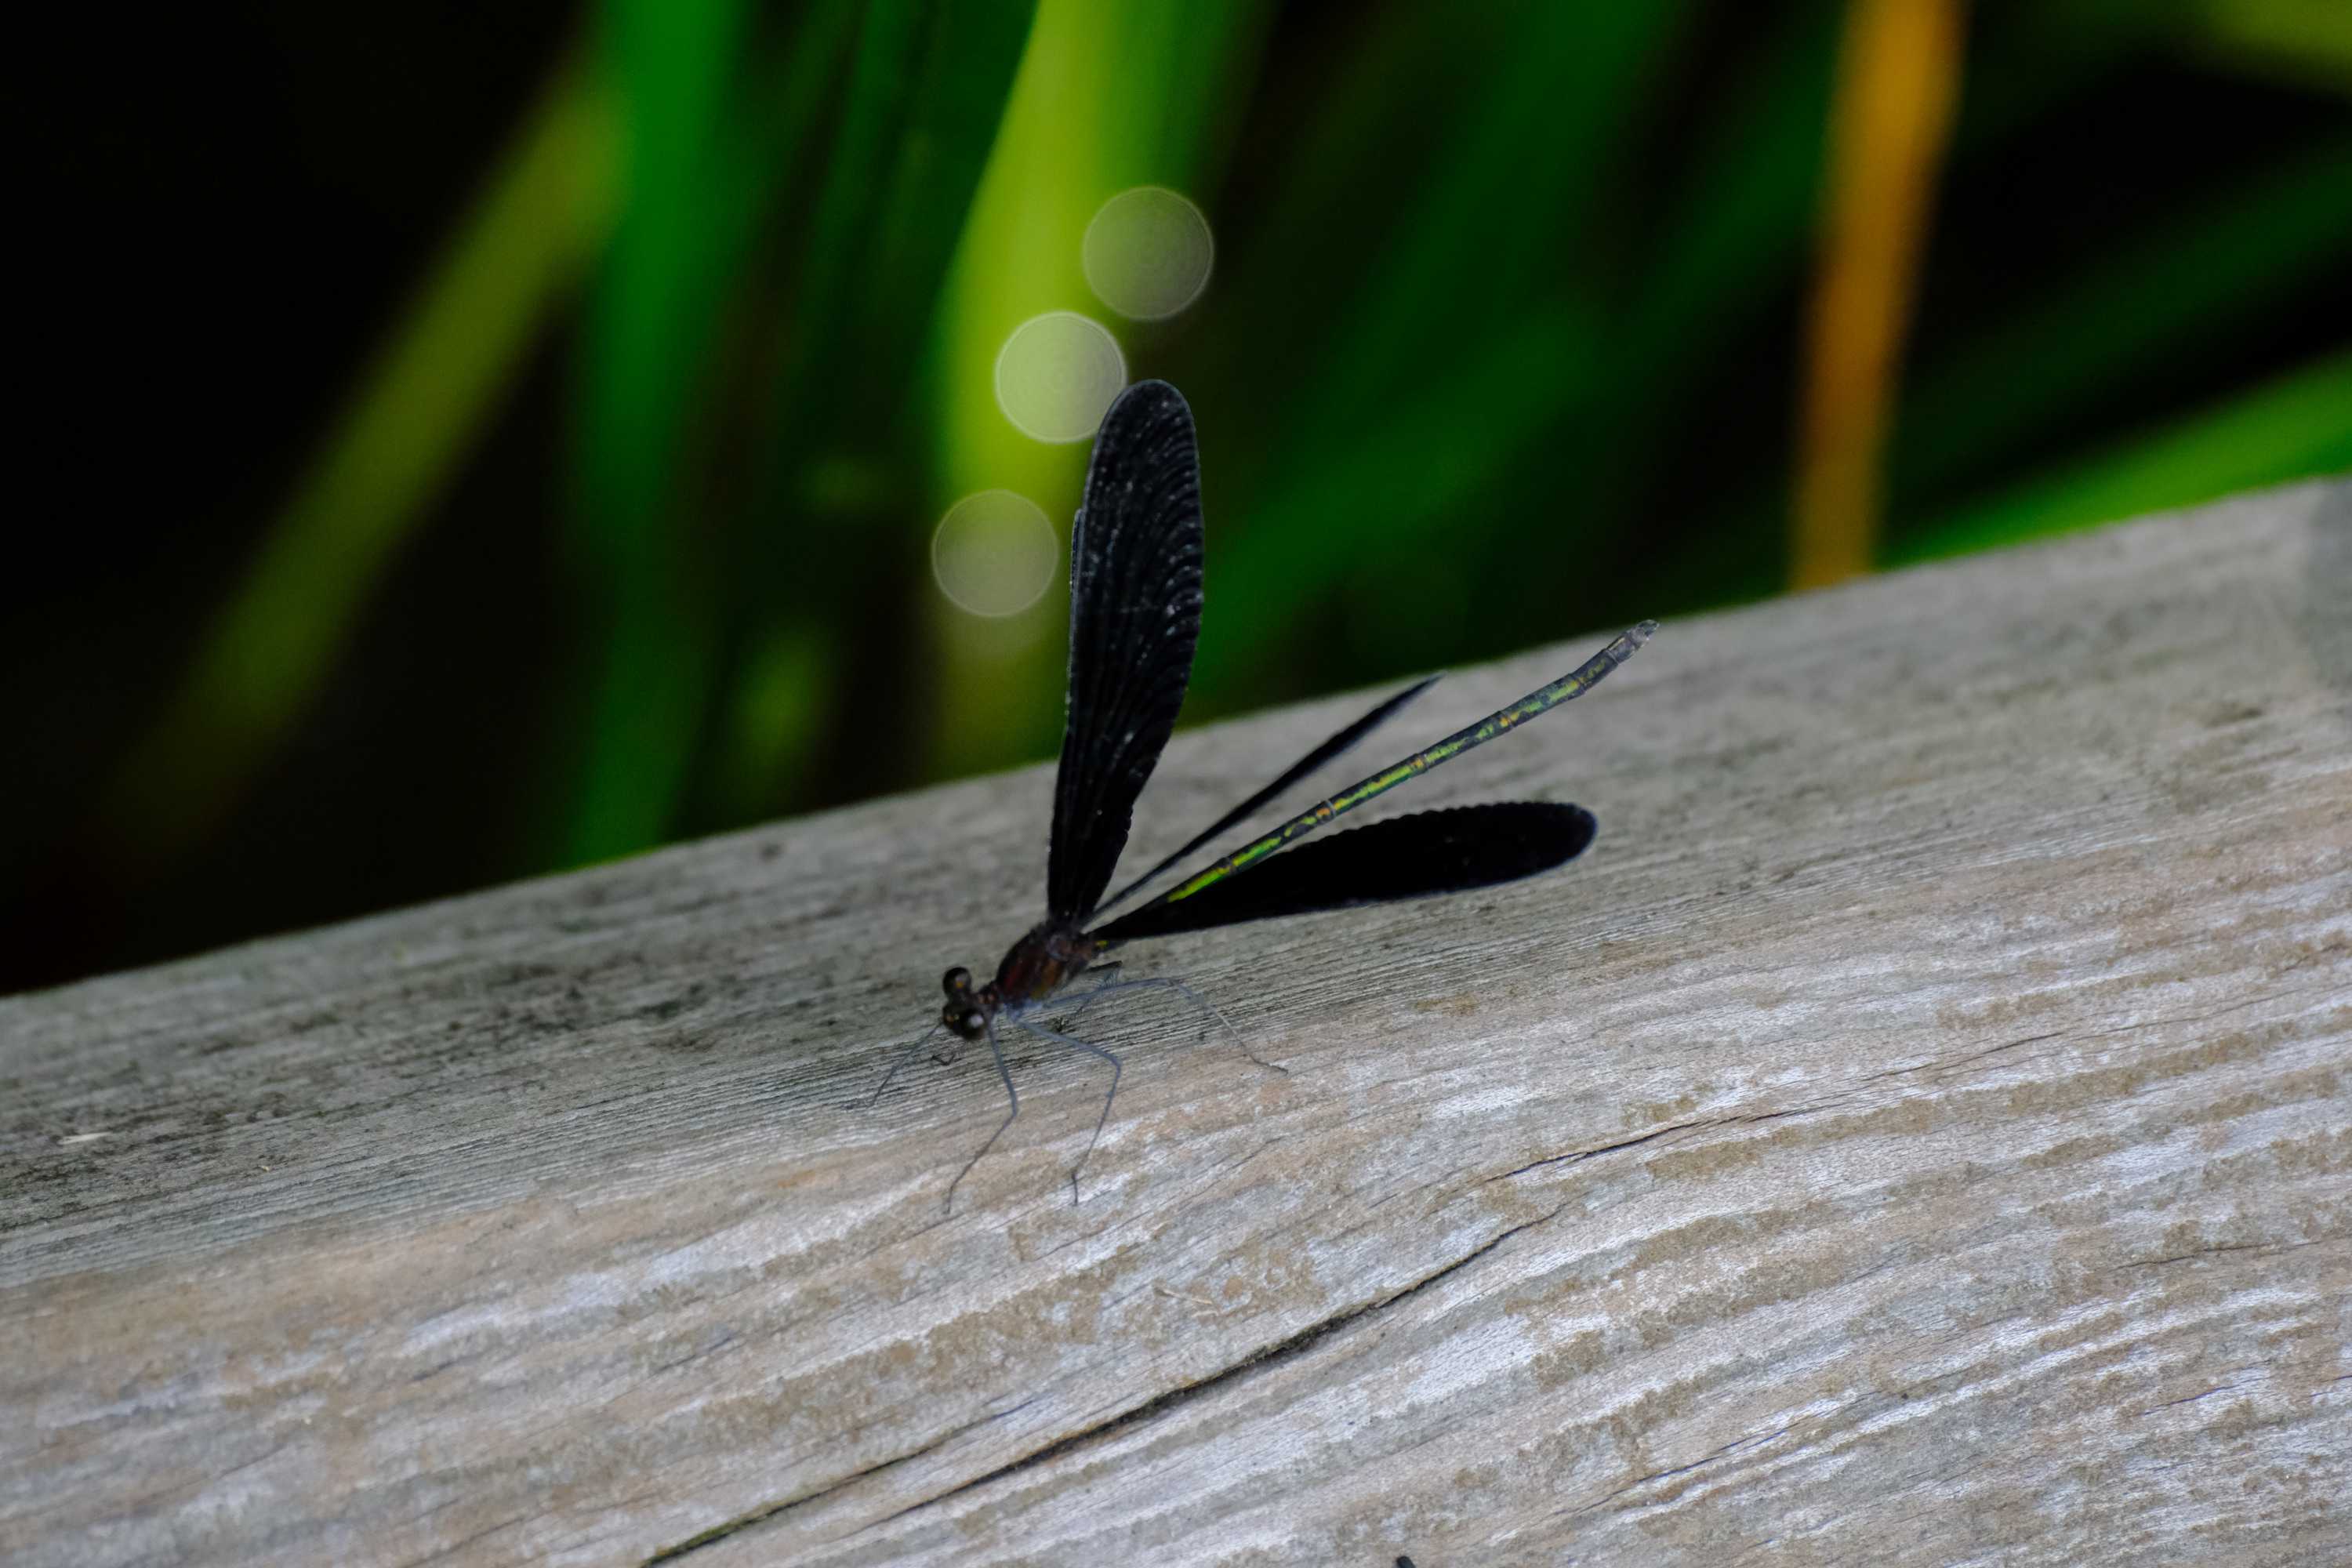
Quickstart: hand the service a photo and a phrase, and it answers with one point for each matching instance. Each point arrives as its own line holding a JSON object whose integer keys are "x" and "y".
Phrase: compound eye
{"x": 957, "y": 983}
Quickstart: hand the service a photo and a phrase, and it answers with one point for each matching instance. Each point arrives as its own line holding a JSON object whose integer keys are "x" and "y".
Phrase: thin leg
{"x": 1012, "y": 1097}
{"x": 1162, "y": 982}
{"x": 1105, "y": 983}
{"x": 904, "y": 1057}
{"x": 1115, "y": 1069}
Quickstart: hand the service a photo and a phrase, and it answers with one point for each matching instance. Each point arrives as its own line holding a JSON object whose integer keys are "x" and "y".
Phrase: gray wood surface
{"x": 1917, "y": 1132}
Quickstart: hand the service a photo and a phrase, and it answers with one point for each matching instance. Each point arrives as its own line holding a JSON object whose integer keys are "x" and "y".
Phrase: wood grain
{"x": 1918, "y": 1131}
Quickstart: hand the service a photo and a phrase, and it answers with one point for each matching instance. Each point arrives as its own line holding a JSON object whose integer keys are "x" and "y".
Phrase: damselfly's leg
{"x": 905, "y": 1056}
{"x": 1011, "y": 1099}
{"x": 1104, "y": 982}
{"x": 1115, "y": 1069}
{"x": 1163, "y": 982}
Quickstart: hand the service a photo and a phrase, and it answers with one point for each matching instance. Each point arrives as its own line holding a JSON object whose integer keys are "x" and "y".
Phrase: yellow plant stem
{"x": 1890, "y": 118}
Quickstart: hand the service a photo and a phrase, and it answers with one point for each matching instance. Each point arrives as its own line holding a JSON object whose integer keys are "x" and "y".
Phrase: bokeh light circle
{"x": 993, "y": 553}
{"x": 1147, "y": 252}
{"x": 1057, "y": 373}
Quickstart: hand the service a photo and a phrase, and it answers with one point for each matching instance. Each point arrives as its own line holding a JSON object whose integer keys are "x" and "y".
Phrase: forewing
{"x": 1415, "y": 857}
{"x": 1135, "y": 614}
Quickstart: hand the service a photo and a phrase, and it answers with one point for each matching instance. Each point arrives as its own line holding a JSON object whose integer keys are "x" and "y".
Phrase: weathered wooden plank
{"x": 1917, "y": 1132}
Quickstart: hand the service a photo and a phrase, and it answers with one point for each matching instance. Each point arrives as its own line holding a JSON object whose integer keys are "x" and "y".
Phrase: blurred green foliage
{"x": 1500, "y": 347}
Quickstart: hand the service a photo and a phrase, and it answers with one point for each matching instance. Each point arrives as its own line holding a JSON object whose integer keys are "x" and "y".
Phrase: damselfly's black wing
{"x": 1290, "y": 775}
{"x": 1135, "y": 613}
{"x": 1415, "y": 857}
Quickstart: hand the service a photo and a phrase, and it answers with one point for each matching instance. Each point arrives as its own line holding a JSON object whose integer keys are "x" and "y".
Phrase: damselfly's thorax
{"x": 1048, "y": 958}
{"x": 1042, "y": 963}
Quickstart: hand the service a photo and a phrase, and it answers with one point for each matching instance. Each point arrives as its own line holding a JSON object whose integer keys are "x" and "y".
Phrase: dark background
{"x": 1506, "y": 343}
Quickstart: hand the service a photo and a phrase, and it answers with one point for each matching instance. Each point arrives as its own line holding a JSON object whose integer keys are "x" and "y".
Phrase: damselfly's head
{"x": 966, "y": 1014}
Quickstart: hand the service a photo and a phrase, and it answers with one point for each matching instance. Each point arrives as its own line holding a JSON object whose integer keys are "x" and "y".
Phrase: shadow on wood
{"x": 1917, "y": 1128}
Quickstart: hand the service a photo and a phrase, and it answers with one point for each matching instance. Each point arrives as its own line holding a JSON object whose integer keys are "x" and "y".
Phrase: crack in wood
{"x": 2192, "y": 1398}
{"x": 1750, "y": 1441}
{"x": 2264, "y": 1247}
{"x": 1281, "y": 1351}
{"x": 761, "y": 1515}
{"x": 1579, "y": 1155}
